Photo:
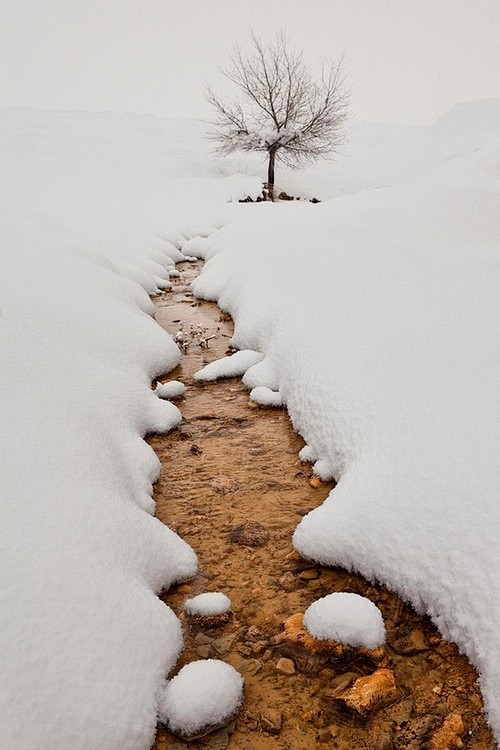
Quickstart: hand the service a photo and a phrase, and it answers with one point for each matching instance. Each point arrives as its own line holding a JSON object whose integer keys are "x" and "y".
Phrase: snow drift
{"x": 378, "y": 312}
{"x": 94, "y": 211}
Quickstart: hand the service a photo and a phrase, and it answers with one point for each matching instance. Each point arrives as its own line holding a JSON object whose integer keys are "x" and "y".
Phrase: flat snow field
{"x": 374, "y": 318}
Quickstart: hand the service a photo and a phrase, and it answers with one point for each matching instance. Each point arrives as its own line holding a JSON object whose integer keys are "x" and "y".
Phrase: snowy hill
{"x": 376, "y": 309}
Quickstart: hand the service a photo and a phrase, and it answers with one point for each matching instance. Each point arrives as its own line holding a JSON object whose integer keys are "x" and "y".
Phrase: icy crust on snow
{"x": 86, "y": 642}
{"x": 205, "y": 693}
{"x": 229, "y": 367}
{"x": 347, "y": 618}
{"x": 209, "y": 603}
{"x": 389, "y": 365}
{"x": 172, "y": 389}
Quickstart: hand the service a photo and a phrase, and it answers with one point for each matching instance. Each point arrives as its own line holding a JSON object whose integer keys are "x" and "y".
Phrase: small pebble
{"x": 285, "y": 666}
{"x": 271, "y": 720}
{"x": 308, "y": 575}
{"x": 288, "y": 581}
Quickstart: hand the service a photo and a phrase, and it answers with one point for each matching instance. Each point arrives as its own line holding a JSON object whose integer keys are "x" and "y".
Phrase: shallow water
{"x": 231, "y": 462}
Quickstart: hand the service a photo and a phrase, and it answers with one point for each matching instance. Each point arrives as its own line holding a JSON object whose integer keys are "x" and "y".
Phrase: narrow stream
{"x": 232, "y": 462}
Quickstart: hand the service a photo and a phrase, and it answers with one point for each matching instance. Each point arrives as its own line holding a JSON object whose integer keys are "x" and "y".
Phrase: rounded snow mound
{"x": 229, "y": 367}
{"x": 264, "y": 396}
{"x": 211, "y": 603}
{"x": 172, "y": 389}
{"x": 205, "y": 694}
{"x": 347, "y": 618}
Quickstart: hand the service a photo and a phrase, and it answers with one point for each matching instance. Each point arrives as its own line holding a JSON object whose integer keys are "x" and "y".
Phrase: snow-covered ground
{"x": 378, "y": 311}
{"x": 375, "y": 312}
{"x": 87, "y": 204}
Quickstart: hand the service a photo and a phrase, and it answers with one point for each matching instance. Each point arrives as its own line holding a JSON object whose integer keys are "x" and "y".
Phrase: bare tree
{"x": 281, "y": 107}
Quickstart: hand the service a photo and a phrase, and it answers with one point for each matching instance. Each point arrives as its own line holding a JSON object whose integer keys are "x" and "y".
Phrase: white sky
{"x": 408, "y": 60}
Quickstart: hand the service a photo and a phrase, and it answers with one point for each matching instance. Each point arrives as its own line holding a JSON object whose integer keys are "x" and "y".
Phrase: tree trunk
{"x": 270, "y": 175}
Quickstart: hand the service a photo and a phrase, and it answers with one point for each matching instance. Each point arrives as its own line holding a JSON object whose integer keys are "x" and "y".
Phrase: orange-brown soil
{"x": 232, "y": 462}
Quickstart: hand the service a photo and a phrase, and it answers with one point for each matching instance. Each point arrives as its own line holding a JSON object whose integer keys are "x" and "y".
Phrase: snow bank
{"x": 347, "y": 618}
{"x": 388, "y": 362}
{"x": 229, "y": 367}
{"x": 90, "y": 203}
{"x": 205, "y": 693}
{"x": 210, "y": 603}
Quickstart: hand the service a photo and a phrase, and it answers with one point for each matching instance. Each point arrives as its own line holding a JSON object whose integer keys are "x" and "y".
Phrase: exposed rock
{"x": 449, "y": 735}
{"x": 204, "y": 651}
{"x": 285, "y": 666}
{"x": 315, "y": 482}
{"x": 271, "y": 720}
{"x": 223, "y": 645}
{"x": 344, "y": 680}
{"x": 308, "y": 575}
{"x": 244, "y": 649}
{"x": 369, "y": 693}
{"x": 249, "y": 720}
{"x": 254, "y": 666}
{"x": 401, "y": 711}
{"x": 258, "y": 648}
{"x": 409, "y": 643}
{"x": 294, "y": 562}
{"x": 201, "y": 639}
{"x": 196, "y": 450}
{"x": 296, "y": 637}
{"x": 255, "y": 632}
{"x": 288, "y": 582}
{"x": 413, "y": 733}
{"x": 206, "y": 622}
{"x": 249, "y": 534}
{"x": 217, "y": 741}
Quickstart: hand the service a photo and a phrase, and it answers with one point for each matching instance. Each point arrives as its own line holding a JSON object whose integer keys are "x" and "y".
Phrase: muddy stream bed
{"x": 231, "y": 462}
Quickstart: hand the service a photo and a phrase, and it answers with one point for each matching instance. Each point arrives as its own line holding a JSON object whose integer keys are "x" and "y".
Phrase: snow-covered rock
{"x": 205, "y": 693}
{"x": 208, "y": 604}
{"x": 347, "y": 618}
{"x": 229, "y": 367}
{"x": 172, "y": 389}
{"x": 265, "y": 396}
{"x": 263, "y": 373}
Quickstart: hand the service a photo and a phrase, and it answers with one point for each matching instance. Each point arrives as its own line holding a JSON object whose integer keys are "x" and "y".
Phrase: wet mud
{"x": 230, "y": 463}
